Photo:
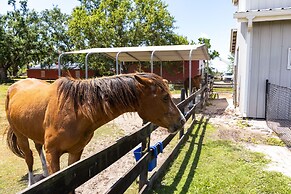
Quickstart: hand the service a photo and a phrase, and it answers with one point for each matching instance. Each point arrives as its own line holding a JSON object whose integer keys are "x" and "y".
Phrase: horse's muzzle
{"x": 177, "y": 126}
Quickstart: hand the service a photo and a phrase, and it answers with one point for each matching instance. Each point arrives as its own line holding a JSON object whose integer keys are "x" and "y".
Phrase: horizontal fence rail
{"x": 78, "y": 173}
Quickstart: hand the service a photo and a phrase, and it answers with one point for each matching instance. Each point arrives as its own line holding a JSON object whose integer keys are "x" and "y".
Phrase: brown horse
{"x": 63, "y": 115}
{"x": 195, "y": 83}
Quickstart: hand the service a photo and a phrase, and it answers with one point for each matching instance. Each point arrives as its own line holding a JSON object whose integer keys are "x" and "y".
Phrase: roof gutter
{"x": 264, "y": 15}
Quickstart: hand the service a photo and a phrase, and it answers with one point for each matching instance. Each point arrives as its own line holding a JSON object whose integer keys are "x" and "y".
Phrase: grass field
{"x": 207, "y": 165}
{"x": 12, "y": 168}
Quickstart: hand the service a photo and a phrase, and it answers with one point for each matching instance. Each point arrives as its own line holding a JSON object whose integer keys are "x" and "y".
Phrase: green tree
{"x": 212, "y": 53}
{"x": 230, "y": 66}
{"x": 30, "y": 37}
{"x": 54, "y": 37}
{"x": 120, "y": 23}
{"x": 17, "y": 38}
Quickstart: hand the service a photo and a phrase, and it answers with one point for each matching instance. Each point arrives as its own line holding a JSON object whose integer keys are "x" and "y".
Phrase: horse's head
{"x": 155, "y": 103}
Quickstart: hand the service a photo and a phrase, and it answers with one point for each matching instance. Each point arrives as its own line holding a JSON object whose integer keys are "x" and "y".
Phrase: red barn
{"x": 174, "y": 73}
{"x": 53, "y": 73}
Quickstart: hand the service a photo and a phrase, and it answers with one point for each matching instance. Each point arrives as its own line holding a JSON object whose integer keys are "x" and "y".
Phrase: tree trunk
{"x": 3, "y": 74}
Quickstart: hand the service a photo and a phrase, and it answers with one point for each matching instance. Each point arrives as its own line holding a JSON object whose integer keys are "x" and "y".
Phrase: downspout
{"x": 248, "y": 65}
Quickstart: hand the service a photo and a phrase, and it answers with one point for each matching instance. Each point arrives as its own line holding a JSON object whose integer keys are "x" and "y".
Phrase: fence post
{"x": 145, "y": 147}
{"x": 194, "y": 102}
{"x": 183, "y": 96}
{"x": 266, "y": 98}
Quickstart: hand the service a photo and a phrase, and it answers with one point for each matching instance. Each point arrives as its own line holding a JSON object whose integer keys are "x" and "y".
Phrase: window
{"x": 42, "y": 74}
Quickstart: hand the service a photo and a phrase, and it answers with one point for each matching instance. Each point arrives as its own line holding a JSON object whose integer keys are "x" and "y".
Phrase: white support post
{"x": 86, "y": 65}
{"x": 190, "y": 71}
{"x": 116, "y": 58}
{"x": 152, "y": 61}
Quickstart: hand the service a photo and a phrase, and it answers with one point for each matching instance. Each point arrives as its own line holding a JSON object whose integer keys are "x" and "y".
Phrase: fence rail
{"x": 75, "y": 175}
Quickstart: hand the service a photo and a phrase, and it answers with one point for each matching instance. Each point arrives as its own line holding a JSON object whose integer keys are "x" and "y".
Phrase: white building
{"x": 261, "y": 45}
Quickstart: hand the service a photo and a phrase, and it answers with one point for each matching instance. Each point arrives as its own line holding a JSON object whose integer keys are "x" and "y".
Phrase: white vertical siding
{"x": 264, "y": 64}
{"x": 242, "y": 5}
{"x": 275, "y": 60}
{"x": 269, "y": 61}
{"x": 285, "y": 76}
{"x": 254, "y": 71}
{"x": 264, "y": 4}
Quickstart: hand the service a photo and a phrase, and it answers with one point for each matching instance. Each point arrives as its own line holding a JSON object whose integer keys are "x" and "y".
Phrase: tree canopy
{"x": 31, "y": 37}
{"x": 120, "y": 23}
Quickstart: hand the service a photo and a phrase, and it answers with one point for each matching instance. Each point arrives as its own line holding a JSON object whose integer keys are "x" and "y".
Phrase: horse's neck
{"x": 103, "y": 118}
{"x": 111, "y": 111}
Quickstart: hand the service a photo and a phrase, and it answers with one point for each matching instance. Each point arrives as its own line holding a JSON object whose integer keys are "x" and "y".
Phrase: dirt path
{"x": 223, "y": 116}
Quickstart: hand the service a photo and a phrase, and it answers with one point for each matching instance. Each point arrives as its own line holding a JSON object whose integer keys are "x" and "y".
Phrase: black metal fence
{"x": 278, "y": 111}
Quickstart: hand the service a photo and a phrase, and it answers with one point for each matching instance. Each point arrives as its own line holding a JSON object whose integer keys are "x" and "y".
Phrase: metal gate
{"x": 278, "y": 111}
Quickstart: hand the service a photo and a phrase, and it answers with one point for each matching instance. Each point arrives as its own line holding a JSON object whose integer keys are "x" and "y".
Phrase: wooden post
{"x": 183, "y": 96}
{"x": 194, "y": 102}
{"x": 145, "y": 147}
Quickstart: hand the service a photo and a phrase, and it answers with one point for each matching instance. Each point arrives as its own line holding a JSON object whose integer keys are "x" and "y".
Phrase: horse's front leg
{"x": 74, "y": 157}
{"x": 53, "y": 161}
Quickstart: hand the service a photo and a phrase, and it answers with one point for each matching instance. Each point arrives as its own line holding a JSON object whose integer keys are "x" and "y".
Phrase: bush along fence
{"x": 75, "y": 175}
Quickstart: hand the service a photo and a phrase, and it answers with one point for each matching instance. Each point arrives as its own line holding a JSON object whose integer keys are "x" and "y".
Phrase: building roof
{"x": 159, "y": 53}
{"x": 233, "y": 37}
{"x": 261, "y": 15}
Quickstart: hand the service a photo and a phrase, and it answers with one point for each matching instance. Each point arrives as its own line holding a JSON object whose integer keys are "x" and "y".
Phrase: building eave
{"x": 264, "y": 15}
{"x": 233, "y": 38}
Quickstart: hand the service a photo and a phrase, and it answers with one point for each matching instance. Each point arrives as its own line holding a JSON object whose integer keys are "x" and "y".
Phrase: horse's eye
{"x": 166, "y": 97}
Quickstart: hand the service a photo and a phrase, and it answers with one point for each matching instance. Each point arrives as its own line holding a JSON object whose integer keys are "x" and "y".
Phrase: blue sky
{"x": 194, "y": 18}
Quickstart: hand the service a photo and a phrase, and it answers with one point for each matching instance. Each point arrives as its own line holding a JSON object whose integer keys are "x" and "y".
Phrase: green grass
{"x": 175, "y": 91}
{"x": 223, "y": 89}
{"x": 274, "y": 141}
{"x": 208, "y": 166}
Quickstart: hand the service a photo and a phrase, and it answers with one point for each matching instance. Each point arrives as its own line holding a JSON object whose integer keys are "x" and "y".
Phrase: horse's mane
{"x": 105, "y": 93}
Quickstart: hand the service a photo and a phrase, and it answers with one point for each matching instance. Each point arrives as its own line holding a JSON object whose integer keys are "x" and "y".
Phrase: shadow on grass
{"x": 187, "y": 162}
{"x": 36, "y": 176}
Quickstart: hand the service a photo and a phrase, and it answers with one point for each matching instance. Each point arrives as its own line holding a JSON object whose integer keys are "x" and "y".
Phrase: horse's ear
{"x": 166, "y": 81}
{"x": 143, "y": 80}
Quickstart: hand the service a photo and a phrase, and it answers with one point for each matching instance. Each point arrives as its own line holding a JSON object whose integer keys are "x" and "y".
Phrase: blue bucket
{"x": 138, "y": 154}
